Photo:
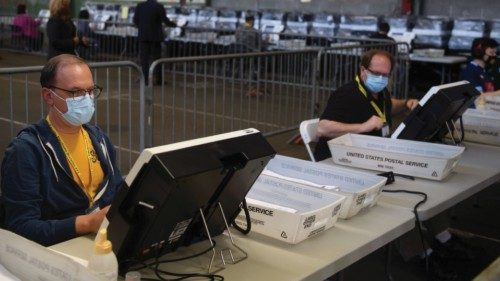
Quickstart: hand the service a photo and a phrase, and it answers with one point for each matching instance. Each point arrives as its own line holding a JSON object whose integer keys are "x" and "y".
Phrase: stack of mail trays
{"x": 482, "y": 126}
{"x": 295, "y": 199}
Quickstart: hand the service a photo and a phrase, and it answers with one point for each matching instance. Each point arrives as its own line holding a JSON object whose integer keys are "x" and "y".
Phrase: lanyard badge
{"x": 385, "y": 130}
{"x": 380, "y": 113}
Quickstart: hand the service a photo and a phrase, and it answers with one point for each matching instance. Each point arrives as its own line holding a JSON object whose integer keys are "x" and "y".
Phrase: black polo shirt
{"x": 348, "y": 105}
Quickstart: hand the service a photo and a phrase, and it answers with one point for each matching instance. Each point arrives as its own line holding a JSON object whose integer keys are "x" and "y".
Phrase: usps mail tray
{"x": 361, "y": 190}
{"x": 482, "y": 126}
{"x": 492, "y": 103}
{"x": 414, "y": 158}
{"x": 290, "y": 211}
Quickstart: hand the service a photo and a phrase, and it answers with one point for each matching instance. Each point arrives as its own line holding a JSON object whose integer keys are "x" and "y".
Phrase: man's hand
{"x": 374, "y": 123}
{"x": 91, "y": 222}
{"x": 411, "y": 103}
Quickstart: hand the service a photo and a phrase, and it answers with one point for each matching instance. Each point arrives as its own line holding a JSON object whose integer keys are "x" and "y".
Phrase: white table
{"x": 445, "y": 62}
{"x": 313, "y": 259}
{"x": 478, "y": 168}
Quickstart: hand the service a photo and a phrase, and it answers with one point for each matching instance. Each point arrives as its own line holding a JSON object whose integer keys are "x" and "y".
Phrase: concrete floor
{"x": 479, "y": 223}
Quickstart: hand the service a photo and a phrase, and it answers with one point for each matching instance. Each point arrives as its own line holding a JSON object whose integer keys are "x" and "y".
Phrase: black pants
{"x": 149, "y": 52}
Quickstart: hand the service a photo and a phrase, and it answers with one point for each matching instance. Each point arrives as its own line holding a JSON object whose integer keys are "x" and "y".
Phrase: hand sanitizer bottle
{"x": 103, "y": 261}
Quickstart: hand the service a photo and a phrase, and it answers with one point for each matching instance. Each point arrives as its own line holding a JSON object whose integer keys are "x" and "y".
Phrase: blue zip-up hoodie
{"x": 40, "y": 196}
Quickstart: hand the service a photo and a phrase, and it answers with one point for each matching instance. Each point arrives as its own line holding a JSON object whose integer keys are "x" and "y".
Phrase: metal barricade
{"x": 194, "y": 97}
{"x": 108, "y": 41}
{"x": 273, "y": 91}
{"x": 201, "y": 96}
{"x": 119, "y": 109}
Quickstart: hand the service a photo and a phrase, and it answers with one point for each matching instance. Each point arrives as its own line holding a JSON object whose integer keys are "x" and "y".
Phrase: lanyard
{"x": 380, "y": 113}
{"x": 72, "y": 161}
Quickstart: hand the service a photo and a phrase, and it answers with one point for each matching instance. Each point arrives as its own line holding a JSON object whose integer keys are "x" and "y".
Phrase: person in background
{"x": 362, "y": 106}
{"x": 483, "y": 52}
{"x": 84, "y": 31}
{"x": 59, "y": 176}
{"x": 382, "y": 31}
{"x": 27, "y": 28}
{"x": 83, "y": 25}
{"x": 248, "y": 39}
{"x": 493, "y": 68}
{"x": 61, "y": 31}
{"x": 149, "y": 17}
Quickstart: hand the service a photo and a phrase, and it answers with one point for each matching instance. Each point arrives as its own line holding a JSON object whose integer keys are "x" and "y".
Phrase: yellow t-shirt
{"x": 85, "y": 158}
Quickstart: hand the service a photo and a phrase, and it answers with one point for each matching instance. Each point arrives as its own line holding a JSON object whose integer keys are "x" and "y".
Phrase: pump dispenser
{"x": 103, "y": 261}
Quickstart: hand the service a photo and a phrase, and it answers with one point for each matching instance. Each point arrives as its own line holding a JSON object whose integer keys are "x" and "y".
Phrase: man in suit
{"x": 148, "y": 17}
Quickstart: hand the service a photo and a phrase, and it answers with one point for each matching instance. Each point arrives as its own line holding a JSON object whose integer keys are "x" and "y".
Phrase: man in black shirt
{"x": 362, "y": 106}
{"x": 382, "y": 31}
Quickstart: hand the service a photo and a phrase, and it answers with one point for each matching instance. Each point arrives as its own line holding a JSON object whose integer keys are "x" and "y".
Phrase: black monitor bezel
{"x": 437, "y": 112}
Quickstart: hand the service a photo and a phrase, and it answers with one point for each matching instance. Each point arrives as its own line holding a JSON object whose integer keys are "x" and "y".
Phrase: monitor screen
{"x": 159, "y": 207}
{"x": 436, "y": 112}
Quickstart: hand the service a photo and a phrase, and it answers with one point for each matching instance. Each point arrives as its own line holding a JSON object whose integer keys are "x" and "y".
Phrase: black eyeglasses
{"x": 378, "y": 73}
{"x": 94, "y": 92}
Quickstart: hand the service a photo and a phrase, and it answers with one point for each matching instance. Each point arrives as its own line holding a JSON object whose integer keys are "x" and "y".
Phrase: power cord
{"x": 247, "y": 217}
{"x": 182, "y": 276}
{"x": 154, "y": 266}
{"x": 462, "y": 137}
{"x": 424, "y": 195}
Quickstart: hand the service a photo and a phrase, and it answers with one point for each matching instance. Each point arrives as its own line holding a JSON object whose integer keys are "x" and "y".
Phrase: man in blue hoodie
{"x": 59, "y": 176}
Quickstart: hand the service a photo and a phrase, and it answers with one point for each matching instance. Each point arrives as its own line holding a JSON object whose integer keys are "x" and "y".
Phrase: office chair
{"x": 308, "y": 133}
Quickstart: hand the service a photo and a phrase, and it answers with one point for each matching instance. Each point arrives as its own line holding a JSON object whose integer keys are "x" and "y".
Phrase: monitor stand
{"x": 226, "y": 254}
{"x": 456, "y": 140}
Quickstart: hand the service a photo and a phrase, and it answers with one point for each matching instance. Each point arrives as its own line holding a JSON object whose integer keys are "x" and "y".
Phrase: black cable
{"x": 191, "y": 256}
{"x": 462, "y": 129}
{"x": 154, "y": 266}
{"x": 422, "y": 240}
{"x": 247, "y": 216}
{"x": 145, "y": 265}
{"x": 181, "y": 276}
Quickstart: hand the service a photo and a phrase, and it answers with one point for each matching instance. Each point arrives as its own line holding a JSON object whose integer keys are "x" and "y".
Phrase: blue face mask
{"x": 80, "y": 109}
{"x": 376, "y": 83}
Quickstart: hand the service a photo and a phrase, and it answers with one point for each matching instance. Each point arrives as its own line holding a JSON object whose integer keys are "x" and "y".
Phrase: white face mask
{"x": 80, "y": 109}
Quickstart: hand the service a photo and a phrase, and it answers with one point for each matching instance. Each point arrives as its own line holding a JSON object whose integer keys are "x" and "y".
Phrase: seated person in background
{"x": 483, "y": 51}
{"x": 60, "y": 175}
{"x": 494, "y": 70}
{"x": 362, "y": 106}
{"x": 365, "y": 106}
{"x": 382, "y": 31}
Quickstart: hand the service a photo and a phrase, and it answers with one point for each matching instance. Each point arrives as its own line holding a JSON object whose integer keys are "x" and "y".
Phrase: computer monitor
{"x": 158, "y": 209}
{"x": 437, "y": 112}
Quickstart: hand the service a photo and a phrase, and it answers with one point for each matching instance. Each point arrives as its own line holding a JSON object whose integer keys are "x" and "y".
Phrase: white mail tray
{"x": 290, "y": 211}
{"x": 492, "y": 103}
{"x": 481, "y": 126}
{"x": 361, "y": 190}
{"x": 414, "y": 158}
